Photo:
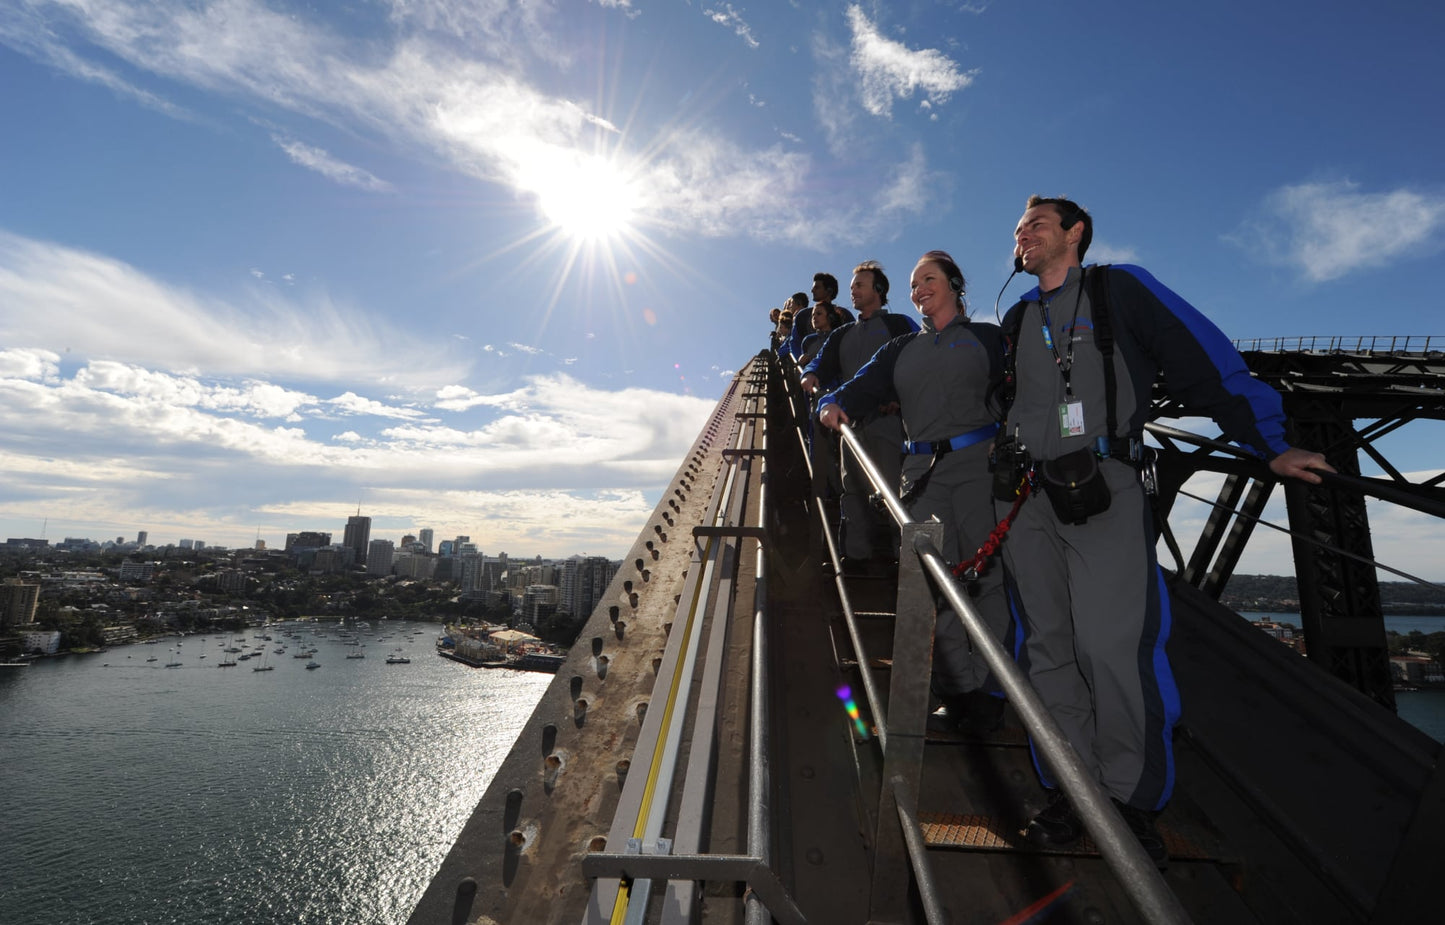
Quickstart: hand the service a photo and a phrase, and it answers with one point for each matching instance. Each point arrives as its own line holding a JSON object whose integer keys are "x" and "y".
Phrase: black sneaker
{"x": 1141, "y": 823}
{"x": 985, "y": 712}
{"x": 975, "y": 713}
{"x": 1056, "y": 825}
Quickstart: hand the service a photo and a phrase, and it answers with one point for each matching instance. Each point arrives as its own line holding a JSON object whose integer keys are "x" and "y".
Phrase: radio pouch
{"x": 1075, "y": 485}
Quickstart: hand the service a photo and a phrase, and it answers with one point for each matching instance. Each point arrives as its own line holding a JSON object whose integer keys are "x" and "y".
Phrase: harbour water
{"x": 136, "y": 794}
{"x": 1423, "y": 709}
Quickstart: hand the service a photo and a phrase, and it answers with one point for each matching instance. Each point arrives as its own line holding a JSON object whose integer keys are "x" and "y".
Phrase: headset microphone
{"x": 1018, "y": 268}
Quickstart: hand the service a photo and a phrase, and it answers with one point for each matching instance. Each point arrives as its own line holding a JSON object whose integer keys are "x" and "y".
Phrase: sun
{"x": 587, "y": 198}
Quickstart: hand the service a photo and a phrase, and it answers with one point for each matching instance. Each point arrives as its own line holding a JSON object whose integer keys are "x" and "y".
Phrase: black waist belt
{"x": 939, "y": 447}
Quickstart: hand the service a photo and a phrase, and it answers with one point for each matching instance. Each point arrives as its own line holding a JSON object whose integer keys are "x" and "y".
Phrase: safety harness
{"x": 970, "y": 570}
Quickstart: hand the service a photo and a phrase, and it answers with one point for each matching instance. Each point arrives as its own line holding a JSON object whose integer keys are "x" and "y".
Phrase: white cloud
{"x": 70, "y": 301}
{"x": 888, "y": 69}
{"x": 29, "y": 364}
{"x": 112, "y": 445}
{"x": 724, "y": 15}
{"x": 1327, "y": 230}
{"x": 1104, "y": 252}
{"x": 351, "y": 403}
{"x": 910, "y": 186}
{"x": 319, "y": 160}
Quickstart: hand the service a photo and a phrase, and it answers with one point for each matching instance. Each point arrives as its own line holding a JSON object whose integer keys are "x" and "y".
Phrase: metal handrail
{"x": 850, "y": 620}
{"x": 1375, "y": 489}
{"x": 1368, "y": 343}
{"x": 759, "y": 775}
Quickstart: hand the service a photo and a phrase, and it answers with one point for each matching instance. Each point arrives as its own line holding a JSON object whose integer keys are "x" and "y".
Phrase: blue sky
{"x": 486, "y": 266}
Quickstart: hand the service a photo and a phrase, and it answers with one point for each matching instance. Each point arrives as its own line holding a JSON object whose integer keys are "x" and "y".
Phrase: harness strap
{"x": 940, "y": 447}
{"x": 971, "y": 569}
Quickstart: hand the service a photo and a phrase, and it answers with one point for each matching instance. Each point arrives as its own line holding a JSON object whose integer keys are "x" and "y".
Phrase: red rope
{"x": 972, "y": 568}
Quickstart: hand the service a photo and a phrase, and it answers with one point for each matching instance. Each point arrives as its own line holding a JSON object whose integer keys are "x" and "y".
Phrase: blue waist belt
{"x": 940, "y": 447}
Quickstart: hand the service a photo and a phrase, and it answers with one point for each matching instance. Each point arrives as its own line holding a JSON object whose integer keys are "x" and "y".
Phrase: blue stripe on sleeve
{"x": 1234, "y": 377}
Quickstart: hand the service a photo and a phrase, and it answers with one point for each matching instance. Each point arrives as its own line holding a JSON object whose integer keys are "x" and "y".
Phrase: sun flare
{"x": 588, "y": 198}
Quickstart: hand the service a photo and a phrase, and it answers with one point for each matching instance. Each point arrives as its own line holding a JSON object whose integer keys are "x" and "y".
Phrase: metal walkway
{"x": 695, "y": 759}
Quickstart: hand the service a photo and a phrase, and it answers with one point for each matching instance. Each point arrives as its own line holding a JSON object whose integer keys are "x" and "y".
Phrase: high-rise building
{"x": 584, "y": 580}
{"x": 307, "y": 539}
{"x": 538, "y": 603}
{"x": 445, "y": 550}
{"x": 425, "y": 538}
{"x": 357, "y": 536}
{"x": 379, "y": 554}
{"x": 467, "y": 573}
{"x": 141, "y": 537}
{"x": 18, "y": 602}
{"x": 187, "y": 544}
{"x": 414, "y": 566}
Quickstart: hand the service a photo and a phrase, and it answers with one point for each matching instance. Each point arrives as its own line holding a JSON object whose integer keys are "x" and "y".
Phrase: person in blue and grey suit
{"x": 868, "y": 538}
{"x": 1085, "y": 348}
{"x": 943, "y": 378}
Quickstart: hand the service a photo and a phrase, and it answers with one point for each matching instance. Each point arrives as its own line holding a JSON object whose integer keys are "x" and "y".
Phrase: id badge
{"x": 1071, "y": 419}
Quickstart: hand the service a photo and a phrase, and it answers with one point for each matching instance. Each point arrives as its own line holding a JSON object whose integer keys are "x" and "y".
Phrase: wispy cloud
{"x": 887, "y": 69}
{"x": 724, "y": 15}
{"x": 477, "y": 109}
{"x": 1327, "y": 230}
{"x": 317, "y": 159}
{"x": 89, "y": 306}
{"x": 1104, "y": 252}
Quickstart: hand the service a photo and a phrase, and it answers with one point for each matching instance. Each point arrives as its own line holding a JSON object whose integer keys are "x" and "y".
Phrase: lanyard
{"x": 1064, "y": 363}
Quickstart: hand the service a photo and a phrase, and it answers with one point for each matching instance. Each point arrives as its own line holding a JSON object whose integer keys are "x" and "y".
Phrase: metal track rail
{"x": 624, "y": 881}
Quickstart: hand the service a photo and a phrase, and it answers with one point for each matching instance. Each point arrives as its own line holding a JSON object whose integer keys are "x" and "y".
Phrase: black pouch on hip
{"x": 1009, "y": 462}
{"x": 1075, "y": 486}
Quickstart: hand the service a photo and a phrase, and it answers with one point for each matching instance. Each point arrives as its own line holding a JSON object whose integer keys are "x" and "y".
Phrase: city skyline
{"x": 446, "y": 547}
{"x": 489, "y": 266}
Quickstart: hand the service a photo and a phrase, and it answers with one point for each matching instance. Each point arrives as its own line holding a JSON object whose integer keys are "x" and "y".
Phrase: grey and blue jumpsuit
{"x": 865, "y": 532}
{"x": 942, "y": 381}
{"x": 1091, "y": 597}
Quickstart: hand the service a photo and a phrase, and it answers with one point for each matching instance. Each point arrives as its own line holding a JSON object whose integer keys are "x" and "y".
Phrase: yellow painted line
{"x": 624, "y": 894}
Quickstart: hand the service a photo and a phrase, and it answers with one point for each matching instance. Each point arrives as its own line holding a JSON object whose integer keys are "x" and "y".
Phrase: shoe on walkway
{"x": 1056, "y": 825}
{"x": 985, "y": 712}
{"x": 975, "y": 713}
{"x": 1141, "y": 823}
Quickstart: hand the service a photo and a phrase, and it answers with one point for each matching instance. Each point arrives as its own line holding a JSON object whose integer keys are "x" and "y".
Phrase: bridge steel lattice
{"x": 1343, "y": 396}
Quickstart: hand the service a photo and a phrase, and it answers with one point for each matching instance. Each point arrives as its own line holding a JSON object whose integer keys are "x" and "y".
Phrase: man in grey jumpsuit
{"x": 1090, "y": 595}
{"x": 942, "y": 378}
{"x": 868, "y": 536}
